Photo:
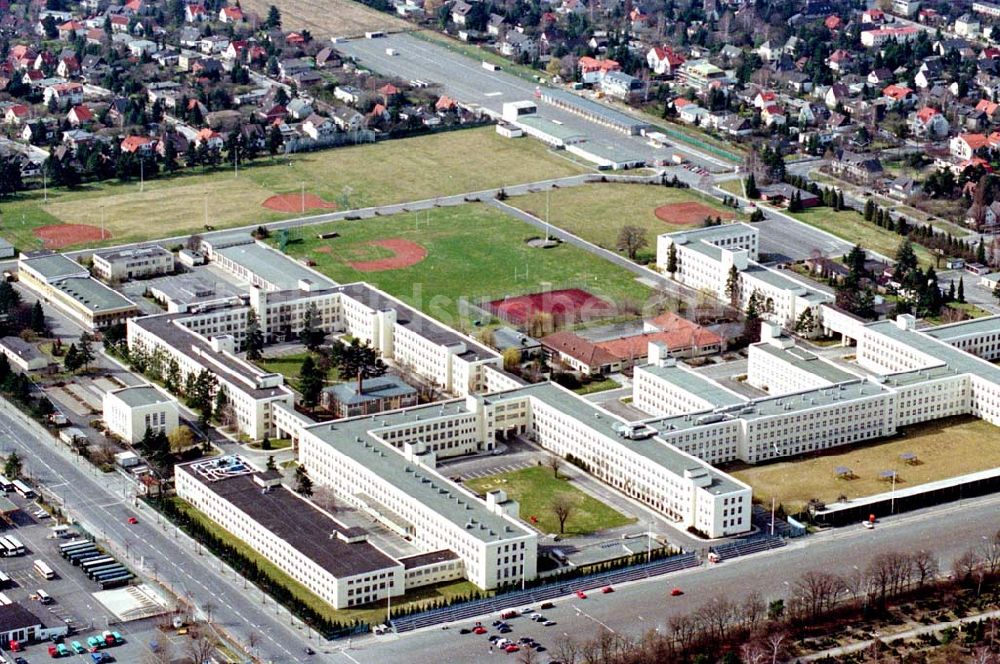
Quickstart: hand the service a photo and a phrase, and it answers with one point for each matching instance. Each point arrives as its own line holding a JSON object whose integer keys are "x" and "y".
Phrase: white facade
{"x": 130, "y": 411}
{"x": 133, "y": 263}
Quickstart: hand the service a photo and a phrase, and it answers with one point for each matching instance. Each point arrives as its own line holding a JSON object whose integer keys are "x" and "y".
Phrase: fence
{"x": 542, "y": 593}
{"x": 745, "y": 547}
{"x": 701, "y": 145}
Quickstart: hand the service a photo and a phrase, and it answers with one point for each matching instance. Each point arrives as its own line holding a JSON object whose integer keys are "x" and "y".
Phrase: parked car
{"x": 581, "y": 594}
{"x": 607, "y": 589}
{"x": 676, "y": 592}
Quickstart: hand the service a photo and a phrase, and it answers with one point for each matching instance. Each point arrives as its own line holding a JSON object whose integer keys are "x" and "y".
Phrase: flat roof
{"x": 958, "y": 360}
{"x": 417, "y": 322}
{"x": 301, "y": 524}
{"x": 94, "y": 295}
{"x": 272, "y": 266}
{"x": 609, "y": 152}
{"x": 967, "y": 328}
{"x": 20, "y": 347}
{"x": 713, "y": 233}
{"x": 144, "y": 395}
{"x": 52, "y": 265}
{"x": 240, "y": 374}
{"x": 701, "y": 387}
{"x": 808, "y": 362}
{"x": 137, "y": 252}
{"x": 602, "y": 421}
{"x": 430, "y": 558}
{"x": 560, "y": 131}
{"x": 381, "y": 387}
{"x": 591, "y": 107}
{"x": 358, "y": 439}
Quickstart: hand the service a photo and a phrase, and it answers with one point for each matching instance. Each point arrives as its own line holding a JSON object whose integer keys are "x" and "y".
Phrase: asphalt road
{"x": 467, "y": 81}
{"x": 103, "y": 502}
{"x": 637, "y": 608}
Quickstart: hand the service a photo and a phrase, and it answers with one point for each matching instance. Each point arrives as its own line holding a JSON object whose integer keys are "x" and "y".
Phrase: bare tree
{"x": 752, "y": 652}
{"x": 325, "y": 497}
{"x": 819, "y": 591}
{"x": 753, "y": 610}
{"x": 554, "y": 463}
{"x": 983, "y": 655}
{"x": 965, "y": 565}
{"x": 208, "y": 607}
{"x": 193, "y": 243}
{"x": 201, "y": 648}
{"x": 925, "y": 564}
{"x": 777, "y": 644}
{"x": 527, "y": 656}
{"x": 682, "y": 630}
{"x": 631, "y": 239}
{"x": 566, "y": 650}
{"x": 563, "y": 505}
{"x": 990, "y": 553}
{"x": 164, "y": 654}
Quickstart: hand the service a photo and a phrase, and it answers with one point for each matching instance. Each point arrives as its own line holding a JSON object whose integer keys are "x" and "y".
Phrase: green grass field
{"x": 597, "y": 211}
{"x": 945, "y": 448}
{"x": 289, "y": 366}
{"x": 534, "y": 488}
{"x": 386, "y": 172}
{"x": 373, "y": 614}
{"x": 851, "y": 226}
{"x": 473, "y": 251}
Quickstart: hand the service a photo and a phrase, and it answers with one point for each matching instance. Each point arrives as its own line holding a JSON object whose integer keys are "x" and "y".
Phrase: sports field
{"x": 944, "y": 448}
{"x": 534, "y": 489}
{"x": 472, "y": 252}
{"x": 569, "y": 304}
{"x": 597, "y": 211}
{"x": 386, "y": 172}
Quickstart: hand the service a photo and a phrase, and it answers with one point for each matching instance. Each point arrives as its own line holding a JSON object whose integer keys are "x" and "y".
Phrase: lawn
{"x": 945, "y": 448}
{"x": 851, "y": 226}
{"x": 372, "y": 614}
{"x": 598, "y": 386}
{"x": 534, "y": 488}
{"x": 734, "y": 187}
{"x": 597, "y": 211}
{"x": 391, "y": 171}
{"x": 328, "y": 18}
{"x": 473, "y": 251}
{"x": 289, "y": 366}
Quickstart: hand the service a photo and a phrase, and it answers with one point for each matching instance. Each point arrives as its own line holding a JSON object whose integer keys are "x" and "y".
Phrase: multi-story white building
{"x": 126, "y": 264}
{"x": 130, "y": 411}
{"x": 777, "y": 366}
{"x": 707, "y": 257}
{"x": 880, "y": 36}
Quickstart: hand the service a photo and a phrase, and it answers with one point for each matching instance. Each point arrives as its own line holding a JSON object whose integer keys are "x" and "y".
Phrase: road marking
{"x": 492, "y": 94}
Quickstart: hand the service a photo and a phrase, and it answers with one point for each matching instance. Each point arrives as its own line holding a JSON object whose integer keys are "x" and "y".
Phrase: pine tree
{"x": 310, "y": 382}
{"x": 270, "y": 463}
{"x": 85, "y": 350}
{"x": 72, "y": 360}
{"x": 869, "y": 210}
{"x": 672, "y": 259}
{"x": 961, "y": 290}
{"x": 751, "y": 187}
{"x": 12, "y": 467}
{"x": 255, "y": 338}
{"x": 303, "y": 483}
{"x": 38, "y": 318}
{"x": 981, "y": 253}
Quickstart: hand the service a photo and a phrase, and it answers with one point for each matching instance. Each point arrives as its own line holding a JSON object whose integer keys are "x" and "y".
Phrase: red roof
{"x": 134, "y": 5}
{"x": 119, "y": 20}
{"x": 578, "y": 348}
{"x": 233, "y": 13}
{"x": 681, "y": 102}
{"x": 926, "y": 113}
{"x": 587, "y": 63}
{"x": 833, "y": 22}
{"x": 445, "y": 103}
{"x": 388, "y": 90}
{"x": 665, "y": 53}
{"x": 896, "y": 92}
{"x": 637, "y": 346}
{"x": 20, "y": 110}
{"x": 767, "y": 95}
{"x": 975, "y": 161}
{"x": 69, "y": 26}
{"x": 840, "y": 55}
{"x": 133, "y": 143}
{"x": 987, "y": 106}
{"x": 82, "y": 113}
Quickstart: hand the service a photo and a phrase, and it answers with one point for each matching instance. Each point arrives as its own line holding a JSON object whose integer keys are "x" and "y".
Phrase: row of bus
{"x": 96, "y": 564}
{"x": 20, "y": 487}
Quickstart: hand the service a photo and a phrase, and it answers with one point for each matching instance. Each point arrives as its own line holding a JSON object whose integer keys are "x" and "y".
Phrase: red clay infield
{"x": 297, "y": 203}
{"x": 406, "y": 254}
{"x": 58, "y": 236}
{"x": 687, "y": 213}
{"x": 566, "y": 305}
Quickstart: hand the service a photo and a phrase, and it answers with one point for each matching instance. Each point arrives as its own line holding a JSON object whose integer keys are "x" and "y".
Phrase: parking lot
{"x": 73, "y": 602}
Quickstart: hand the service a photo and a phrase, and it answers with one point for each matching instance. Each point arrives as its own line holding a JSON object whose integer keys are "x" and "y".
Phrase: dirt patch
{"x": 58, "y": 236}
{"x": 324, "y": 250}
{"x": 689, "y": 214}
{"x": 405, "y": 254}
{"x": 297, "y": 203}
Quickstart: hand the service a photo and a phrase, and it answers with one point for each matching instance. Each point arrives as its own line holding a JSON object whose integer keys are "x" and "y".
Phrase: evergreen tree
{"x": 840, "y": 200}
{"x": 85, "y": 350}
{"x": 303, "y": 483}
{"x": 869, "y": 210}
{"x": 271, "y": 465}
{"x": 961, "y": 290}
{"x": 9, "y": 298}
{"x": 751, "y": 187}
{"x": 12, "y": 466}
{"x": 906, "y": 258}
{"x": 255, "y": 338}
{"x": 310, "y": 335}
{"x": 310, "y": 382}
{"x": 981, "y": 253}
{"x": 72, "y": 360}
{"x": 996, "y": 292}
{"x": 672, "y": 258}
{"x": 733, "y": 286}
{"x": 38, "y": 318}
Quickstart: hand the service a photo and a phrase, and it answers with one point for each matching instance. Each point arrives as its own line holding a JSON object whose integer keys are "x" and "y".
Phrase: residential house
{"x": 316, "y": 127}
{"x": 291, "y": 66}
{"x": 968, "y": 25}
{"x": 141, "y": 145}
{"x": 833, "y": 23}
{"x": 859, "y": 167}
{"x": 347, "y": 119}
{"x": 903, "y": 187}
{"x": 230, "y": 15}
{"x": 899, "y": 95}
{"x": 663, "y": 61}
{"x": 966, "y": 146}
{"x": 139, "y": 48}
{"x": 840, "y": 61}
{"x": 70, "y": 30}
{"x": 17, "y": 114}
{"x": 881, "y": 76}
{"x": 79, "y": 115}
{"x": 346, "y": 93}
{"x": 592, "y": 70}
{"x": 990, "y": 109}
{"x": 774, "y": 115}
{"x": 929, "y": 122}
{"x": 460, "y": 11}
{"x": 495, "y": 25}
{"x": 781, "y": 192}
{"x": 619, "y": 84}
{"x": 837, "y": 94}
{"x": 195, "y": 13}
{"x": 210, "y": 138}
{"x": 445, "y": 104}
{"x": 327, "y": 58}
{"x": 300, "y": 109}
{"x": 515, "y": 45}
{"x": 75, "y": 138}
{"x": 64, "y": 94}
{"x": 68, "y": 67}
{"x": 174, "y": 139}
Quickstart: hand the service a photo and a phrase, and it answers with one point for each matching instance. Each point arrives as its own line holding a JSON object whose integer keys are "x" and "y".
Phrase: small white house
{"x": 129, "y": 411}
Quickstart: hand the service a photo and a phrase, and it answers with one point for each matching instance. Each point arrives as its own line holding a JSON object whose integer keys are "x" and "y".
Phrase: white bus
{"x": 23, "y": 489}
{"x": 43, "y": 596}
{"x": 6, "y": 484}
{"x": 15, "y": 547}
{"x": 44, "y": 570}
{"x": 4, "y": 580}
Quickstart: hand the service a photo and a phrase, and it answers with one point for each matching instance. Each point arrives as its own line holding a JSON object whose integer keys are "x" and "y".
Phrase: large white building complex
{"x": 707, "y": 256}
{"x": 385, "y": 465}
